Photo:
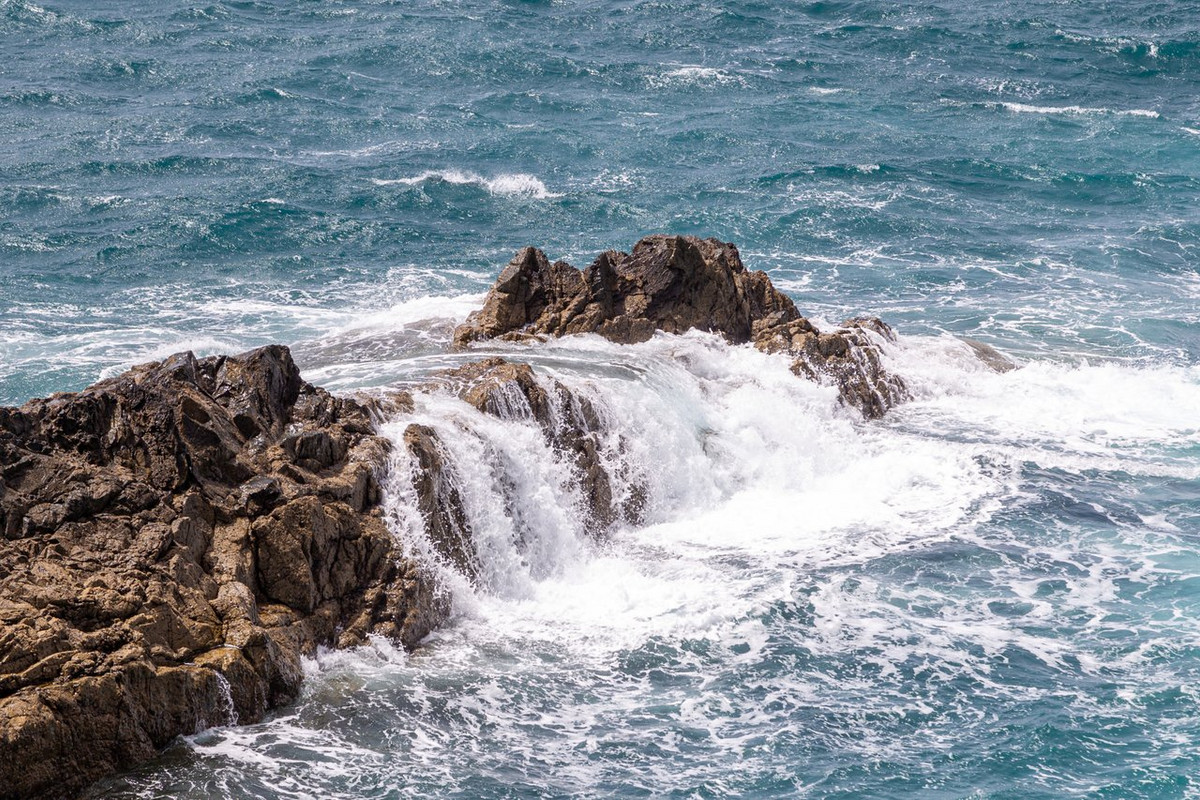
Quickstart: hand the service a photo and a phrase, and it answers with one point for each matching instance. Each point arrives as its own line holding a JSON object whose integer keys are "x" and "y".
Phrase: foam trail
{"x": 1025, "y": 108}
{"x": 504, "y": 185}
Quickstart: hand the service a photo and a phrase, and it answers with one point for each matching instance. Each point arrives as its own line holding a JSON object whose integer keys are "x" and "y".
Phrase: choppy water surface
{"x": 994, "y": 592}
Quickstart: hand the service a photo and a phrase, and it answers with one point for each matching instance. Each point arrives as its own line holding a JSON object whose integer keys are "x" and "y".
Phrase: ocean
{"x": 993, "y": 592}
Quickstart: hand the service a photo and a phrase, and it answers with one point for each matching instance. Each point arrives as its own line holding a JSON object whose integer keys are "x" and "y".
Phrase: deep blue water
{"x": 995, "y": 593}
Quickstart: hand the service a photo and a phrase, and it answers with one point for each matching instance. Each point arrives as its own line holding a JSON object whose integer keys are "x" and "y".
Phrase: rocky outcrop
{"x": 174, "y": 540}
{"x": 848, "y": 357}
{"x": 675, "y": 284}
{"x": 571, "y": 428}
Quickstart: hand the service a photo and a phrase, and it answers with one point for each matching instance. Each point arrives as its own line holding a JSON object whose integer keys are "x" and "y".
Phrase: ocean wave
{"x": 518, "y": 184}
{"x": 1025, "y": 108}
{"x": 694, "y": 75}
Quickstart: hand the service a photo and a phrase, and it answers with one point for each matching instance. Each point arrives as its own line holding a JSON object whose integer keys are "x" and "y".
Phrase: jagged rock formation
{"x": 569, "y": 424}
{"x": 674, "y": 284}
{"x": 173, "y": 540}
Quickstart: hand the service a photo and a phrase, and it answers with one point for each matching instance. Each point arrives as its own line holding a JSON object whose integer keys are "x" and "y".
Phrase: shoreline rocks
{"x": 675, "y": 284}
{"x": 174, "y": 540}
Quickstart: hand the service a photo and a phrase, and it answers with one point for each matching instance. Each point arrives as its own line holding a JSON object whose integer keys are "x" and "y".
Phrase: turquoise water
{"x": 992, "y": 593}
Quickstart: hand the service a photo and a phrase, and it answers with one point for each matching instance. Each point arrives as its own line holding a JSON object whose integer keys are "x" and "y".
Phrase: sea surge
{"x": 806, "y": 591}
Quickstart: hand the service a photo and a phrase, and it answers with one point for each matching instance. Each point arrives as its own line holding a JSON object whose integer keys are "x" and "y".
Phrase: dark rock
{"x": 174, "y": 540}
{"x": 674, "y": 284}
{"x": 567, "y": 420}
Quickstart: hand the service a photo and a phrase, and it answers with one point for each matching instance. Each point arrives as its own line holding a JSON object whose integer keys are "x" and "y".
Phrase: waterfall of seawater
{"x": 723, "y": 446}
{"x": 978, "y": 586}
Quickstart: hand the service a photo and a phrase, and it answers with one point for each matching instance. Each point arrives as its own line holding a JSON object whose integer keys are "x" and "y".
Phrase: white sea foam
{"x": 1025, "y": 108}
{"x": 700, "y": 430}
{"x": 694, "y": 75}
{"x": 109, "y": 200}
{"x": 703, "y": 429}
{"x": 1081, "y": 416}
{"x": 504, "y": 185}
{"x": 613, "y": 181}
{"x": 764, "y": 497}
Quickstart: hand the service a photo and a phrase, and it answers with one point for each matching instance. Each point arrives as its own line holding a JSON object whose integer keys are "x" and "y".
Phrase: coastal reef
{"x": 174, "y": 540}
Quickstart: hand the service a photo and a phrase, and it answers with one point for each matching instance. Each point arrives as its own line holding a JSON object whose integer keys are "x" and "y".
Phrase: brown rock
{"x": 440, "y": 500}
{"x": 849, "y": 359}
{"x": 174, "y": 540}
{"x": 675, "y": 284}
{"x": 990, "y": 355}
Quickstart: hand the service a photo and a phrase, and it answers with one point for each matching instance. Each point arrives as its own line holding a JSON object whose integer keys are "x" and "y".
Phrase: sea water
{"x": 992, "y": 592}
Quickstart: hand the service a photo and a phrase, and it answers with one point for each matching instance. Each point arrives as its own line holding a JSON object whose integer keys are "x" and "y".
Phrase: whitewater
{"x": 992, "y": 592}
{"x": 985, "y": 587}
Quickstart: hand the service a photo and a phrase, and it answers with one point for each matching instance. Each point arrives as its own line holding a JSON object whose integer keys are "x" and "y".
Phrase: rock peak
{"x": 674, "y": 284}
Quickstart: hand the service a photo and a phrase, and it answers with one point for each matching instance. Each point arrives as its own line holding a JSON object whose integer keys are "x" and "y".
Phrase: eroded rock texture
{"x": 674, "y": 284}
{"x": 174, "y": 540}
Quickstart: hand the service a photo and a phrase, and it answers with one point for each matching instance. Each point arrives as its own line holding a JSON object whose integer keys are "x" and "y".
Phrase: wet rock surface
{"x": 567, "y": 420}
{"x": 174, "y": 540}
{"x": 990, "y": 356}
{"x": 675, "y": 284}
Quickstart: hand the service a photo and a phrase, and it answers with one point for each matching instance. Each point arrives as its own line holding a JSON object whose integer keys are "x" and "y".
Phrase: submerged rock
{"x": 990, "y": 355}
{"x": 174, "y": 540}
{"x": 675, "y": 284}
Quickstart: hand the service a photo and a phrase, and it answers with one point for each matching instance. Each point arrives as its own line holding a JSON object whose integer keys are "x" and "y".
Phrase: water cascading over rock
{"x": 176, "y": 539}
